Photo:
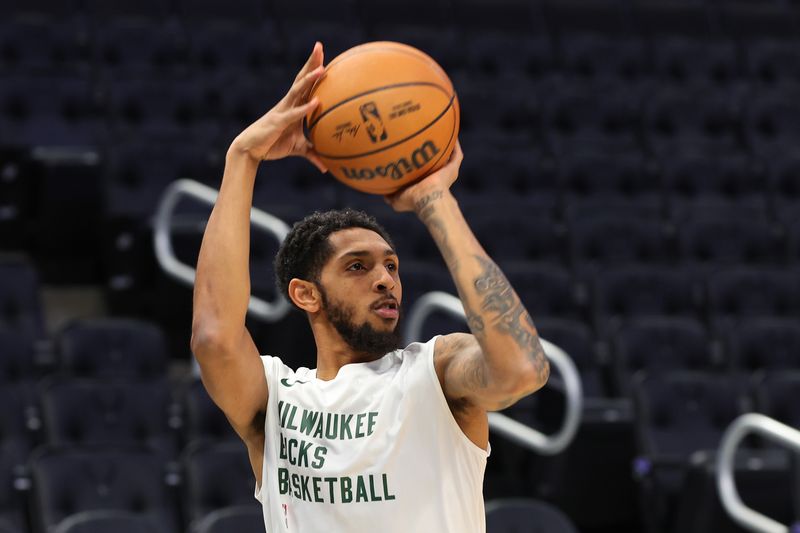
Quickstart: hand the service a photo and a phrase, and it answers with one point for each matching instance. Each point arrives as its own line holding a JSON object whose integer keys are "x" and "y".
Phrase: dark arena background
{"x": 632, "y": 165}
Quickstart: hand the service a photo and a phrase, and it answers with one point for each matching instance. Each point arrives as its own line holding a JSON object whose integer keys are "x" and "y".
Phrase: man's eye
{"x": 391, "y": 266}
{"x": 356, "y": 266}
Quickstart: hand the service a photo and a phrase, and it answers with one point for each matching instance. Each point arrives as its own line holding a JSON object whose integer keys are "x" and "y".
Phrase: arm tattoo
{"x": 511, "y": 318}
{"x": 426, "y": 210}
{"x": 423, "y": 205}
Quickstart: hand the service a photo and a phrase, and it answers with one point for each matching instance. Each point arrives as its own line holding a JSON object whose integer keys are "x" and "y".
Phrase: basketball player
{"x": 377, "y": 437}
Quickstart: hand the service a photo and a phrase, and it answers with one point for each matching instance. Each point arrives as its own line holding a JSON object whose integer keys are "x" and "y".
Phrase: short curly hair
{"x": 306, "y": 248}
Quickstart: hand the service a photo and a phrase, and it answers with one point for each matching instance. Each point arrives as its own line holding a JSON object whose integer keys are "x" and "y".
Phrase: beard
{"x": 363, "y": 338}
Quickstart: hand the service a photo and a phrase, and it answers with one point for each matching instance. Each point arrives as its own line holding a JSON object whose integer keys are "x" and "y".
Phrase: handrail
{"x": 510, "y": 428}
{"x": 739, "y": 428}
{"x": 267, "y": 311}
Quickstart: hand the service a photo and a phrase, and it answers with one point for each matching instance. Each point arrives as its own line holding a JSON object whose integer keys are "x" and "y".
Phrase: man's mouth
{"x": 387, "y": 309}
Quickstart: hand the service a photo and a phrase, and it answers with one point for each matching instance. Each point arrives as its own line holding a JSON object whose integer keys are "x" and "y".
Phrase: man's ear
{"x": 305, "y": 295}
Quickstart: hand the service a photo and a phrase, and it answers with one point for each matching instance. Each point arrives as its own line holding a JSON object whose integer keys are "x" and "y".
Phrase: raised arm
{"x": 502, "y": 361}
{"x": 230, "y": 365}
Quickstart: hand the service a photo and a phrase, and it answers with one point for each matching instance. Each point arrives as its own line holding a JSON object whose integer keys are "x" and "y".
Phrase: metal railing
{"x": 766, "y": 427}
{"x": 267, "y": 311}
{"x": 508, "y": 427}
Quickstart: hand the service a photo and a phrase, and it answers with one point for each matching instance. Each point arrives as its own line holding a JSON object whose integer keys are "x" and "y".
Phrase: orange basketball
{"x": 388, "y": 115}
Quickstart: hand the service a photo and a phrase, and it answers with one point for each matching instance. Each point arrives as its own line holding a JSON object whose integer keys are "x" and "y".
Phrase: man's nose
{"x": 384, "y": 281}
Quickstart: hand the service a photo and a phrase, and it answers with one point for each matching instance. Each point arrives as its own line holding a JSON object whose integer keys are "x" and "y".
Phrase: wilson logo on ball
{"x": 373, "y": 121}
{"x": 396, "y": 169}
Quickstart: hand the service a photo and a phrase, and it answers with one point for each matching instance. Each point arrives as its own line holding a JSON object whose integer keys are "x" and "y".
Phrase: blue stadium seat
{"x": 590, "y": 181}
{"x": 783, "y": 177}
{"x": 638, "y": 291}
{"x": 695, "y": 182}
{"x": 605, "y": 241}
{"x": 101, "y": 521}
{"x": 216, "y": 476}
{"x": 113, "y": 348}
{"x": 512, "y": 179}
{"x": 740, "y": 294}
{"x": 772, "y": 122}
{"x": 714, "y": 241}
{"x": 17, "y": 440}
{"x": 21, "y": 309}
{"x": 678, "y": 418}
{"x": 599, "y": 117}
{"x": 685, "y": 60}
{"x": 109, "y": 413}
{"x": 239, "y": 518}
{"x": 773, "y": 62}
{"x": 594, "y": 57}
{"x": 506, "y": 516}
{"x": 39, "y": 46}
{"x": 656, "y": 346}
{"x": 202, "y": 419}
{"x": 765, "y": 345}
{"x": 131, "y": 48}
{"x": 542, "y": 241}
{"x": 49, "y": 110}
{"x": 694, "y": 120}
{"x": 70, "y": 480}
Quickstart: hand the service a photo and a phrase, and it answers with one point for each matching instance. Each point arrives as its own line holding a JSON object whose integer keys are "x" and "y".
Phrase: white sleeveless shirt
{"x": 375, "y": 449}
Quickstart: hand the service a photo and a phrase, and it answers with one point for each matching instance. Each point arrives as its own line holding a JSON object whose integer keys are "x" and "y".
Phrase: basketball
{"x": 387, "y": 116}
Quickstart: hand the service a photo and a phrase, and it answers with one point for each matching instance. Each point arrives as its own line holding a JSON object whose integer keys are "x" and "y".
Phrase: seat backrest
{"x": 777, "y": 394}
{"x": 103, "y": 521}
{"x": 657, "y": 345}
{"x": 68, "y": 480}
{"x": 20, "y": 302}
{"x": 680, "y": 413}
{"x": 202, "y": 418}
{"x": 526, "y": 515}
{"x": 765, "y": 344}
{"x": 113, "y": 347}
{"x": 76, "y": 411}
{"x": 218, "y": 475}
{"x": 238, "y": 518}
{"x": 638, "y": 290}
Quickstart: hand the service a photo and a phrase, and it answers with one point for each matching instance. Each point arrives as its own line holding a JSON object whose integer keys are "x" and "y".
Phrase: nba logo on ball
{"x": 388, "y": 116}
{"x": 372, "y": 119}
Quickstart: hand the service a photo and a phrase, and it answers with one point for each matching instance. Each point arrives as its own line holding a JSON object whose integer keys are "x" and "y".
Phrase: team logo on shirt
{"x": 285, "y": 382}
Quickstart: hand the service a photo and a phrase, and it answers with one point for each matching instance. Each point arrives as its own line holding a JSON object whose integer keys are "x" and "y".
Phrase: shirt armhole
{"x": 445, "y": 407}
{"x": 258, "y": 493}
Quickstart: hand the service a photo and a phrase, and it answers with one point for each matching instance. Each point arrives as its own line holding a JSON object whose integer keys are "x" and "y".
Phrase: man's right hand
{"x": 279, "y": 133}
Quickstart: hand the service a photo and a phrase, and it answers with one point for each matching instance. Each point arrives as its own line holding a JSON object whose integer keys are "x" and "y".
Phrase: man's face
{"x": 361, "y": 291}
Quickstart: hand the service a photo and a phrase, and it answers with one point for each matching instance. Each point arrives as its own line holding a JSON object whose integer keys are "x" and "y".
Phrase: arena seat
{"x": 711, "y": 242}
{"x": 239, "y": 518}
{"x": 772, "y": 122}
{"x": 660, "y": 345}
{"x": 604, "y": 241}
{"x": 109, "y": 413}
{"x": 694, "y": 182}
{"x": 773, "y": 62}
{"x": 679, "y": 417}
{"x": 691, "y": 120}
{"x": 113, "y": 348}
{"x": 70, "y": 480}
{"x": 216, "y": 476}
{"x": 632, "y": 291}
{"x": 684, "y": 60}
{"x": 509, "y": 515}
{"x": 601, "y": 116}
{"x": 740, "y": 293}
{"x": 765, "y": 345}
{"x": 21, "y": 307}
{"x": 102, "y": 521}
{"x": 783, "y": 178}
{"x": 203, "y": 420}
{"x": 594, "y": 57}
